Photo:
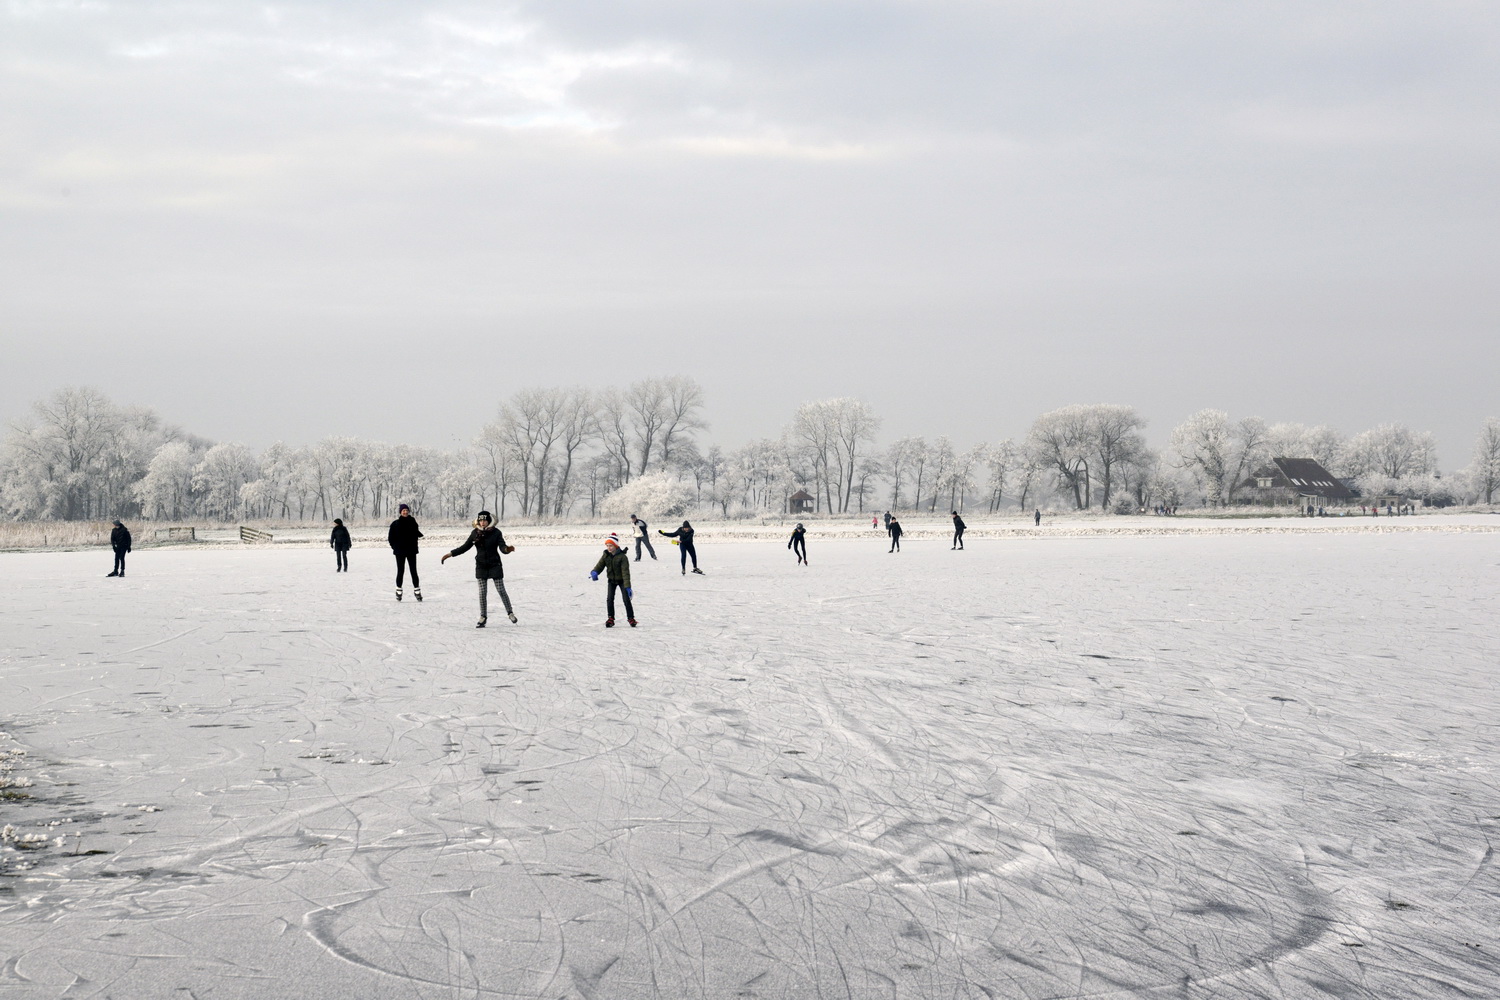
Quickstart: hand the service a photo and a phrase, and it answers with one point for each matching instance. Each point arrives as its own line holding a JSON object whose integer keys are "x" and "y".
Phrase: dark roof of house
{"x": 1304, "y": 475}
{"x": 800, "y": 495}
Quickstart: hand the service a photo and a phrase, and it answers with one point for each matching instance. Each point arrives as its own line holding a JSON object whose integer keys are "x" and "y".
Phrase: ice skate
{"x": 480, "y": 623}
{"x": 609, "y": 623}
{"x": 108, "y": 575}
{"x": 398, "y": 593}
{"x": 512, "y": 617}
{"x": 697, "y": 570}
{"x": 631, "y": 621}
{"x": 417, "y": 593}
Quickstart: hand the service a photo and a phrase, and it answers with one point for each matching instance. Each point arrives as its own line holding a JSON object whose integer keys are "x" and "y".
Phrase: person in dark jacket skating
{"x": 119, "y": 540}
{"x": 340, "y": 543}
{"x": 894, "y": 527}
{"x": 1039, "y": 517}
{"x": 958, "y": 531}
{"x": 798, "y": 544}
{"x": 641, "y": 538}
{"x": 615, "y": 565}
{"x": 488, "y": 544}
{"x": 403, "y": 538}
{"x": 684, "y": 536}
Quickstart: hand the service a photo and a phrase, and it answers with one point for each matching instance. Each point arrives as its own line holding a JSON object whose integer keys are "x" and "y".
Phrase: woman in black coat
{"x": 798, "y": 544}
{"x": 684, "y": 536}
{"x": 488, "y": 543}
{"x": 339, "y": 542}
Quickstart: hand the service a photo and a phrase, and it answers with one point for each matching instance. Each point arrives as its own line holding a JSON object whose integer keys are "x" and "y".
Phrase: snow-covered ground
{"x": 1224, "y": 765}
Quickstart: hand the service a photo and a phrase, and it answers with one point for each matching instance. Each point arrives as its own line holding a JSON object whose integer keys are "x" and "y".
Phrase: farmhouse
{"x": 1294, "y": 481}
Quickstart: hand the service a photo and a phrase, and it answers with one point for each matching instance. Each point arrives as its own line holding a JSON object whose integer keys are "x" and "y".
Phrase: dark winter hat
{"x": 117, "y": 523}
{"x": 799, "y": 526}
{"x": 403, "y": 507}
{"x": 338, "y": 520}
{"x": 486, "y": 515}
{"x": 686, "y": 525}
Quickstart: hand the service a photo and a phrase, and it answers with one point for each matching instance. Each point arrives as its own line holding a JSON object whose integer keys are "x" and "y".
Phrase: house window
{"x": 1264, "y": 484}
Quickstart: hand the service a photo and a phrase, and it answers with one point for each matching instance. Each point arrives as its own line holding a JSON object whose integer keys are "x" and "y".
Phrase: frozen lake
{"x": 1223, "y": 766}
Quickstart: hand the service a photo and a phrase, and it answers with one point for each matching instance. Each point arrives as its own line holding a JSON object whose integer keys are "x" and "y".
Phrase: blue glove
{"x": 594, "y": 575}
{"x": 628, "y": 593}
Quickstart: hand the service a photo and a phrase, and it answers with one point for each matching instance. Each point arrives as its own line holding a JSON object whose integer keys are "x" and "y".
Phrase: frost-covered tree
{"x": 1000, "y": 462}
{"x": 166, "y": 491}
{"x": 1391, "y": 451}
{"x": 217, "y": 479}
{"x": 832, "y": 434}
{"x": 904, "y": 460}
{"x": 653, "y": 495}
{"x": 1060, "y": 440}
{"x": 1219, "y": 454}
{"x": 1484, "y": 473}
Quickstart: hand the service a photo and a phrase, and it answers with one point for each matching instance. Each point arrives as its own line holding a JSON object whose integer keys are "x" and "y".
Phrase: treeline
{"x": 561, "y": 452}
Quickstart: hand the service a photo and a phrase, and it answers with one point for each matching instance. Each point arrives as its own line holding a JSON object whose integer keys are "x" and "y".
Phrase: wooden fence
{"x": 252, "y": 535}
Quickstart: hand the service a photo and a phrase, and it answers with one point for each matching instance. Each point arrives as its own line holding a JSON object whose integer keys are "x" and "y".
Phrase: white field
{"x": 1228, "y": 765}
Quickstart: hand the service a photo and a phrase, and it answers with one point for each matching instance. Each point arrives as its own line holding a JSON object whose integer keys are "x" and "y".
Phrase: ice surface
{"x": 1206, "y": 766}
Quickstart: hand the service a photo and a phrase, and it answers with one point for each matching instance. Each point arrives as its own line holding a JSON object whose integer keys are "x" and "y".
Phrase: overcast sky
{"x": 380, "y": 218}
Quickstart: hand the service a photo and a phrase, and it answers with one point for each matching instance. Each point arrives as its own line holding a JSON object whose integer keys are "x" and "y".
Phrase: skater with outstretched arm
{"x": 615, "y": 565}
{"x": 119, "y": 540}
{"x": 338, "y": 540}
{"x": 958, "y": 531}
{"x": 684, "y": 536}
{"x": 403, "y": 538}
{"x": 798, "y": 544}
{"x": 894, "y": 527}
{"x": 488, "y": 543}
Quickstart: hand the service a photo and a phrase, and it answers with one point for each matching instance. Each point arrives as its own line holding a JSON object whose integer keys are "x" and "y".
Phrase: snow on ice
{"x": 1197, "y": 766}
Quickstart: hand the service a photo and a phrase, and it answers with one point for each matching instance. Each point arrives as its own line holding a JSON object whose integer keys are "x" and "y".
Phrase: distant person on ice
{"x": 1039, "y": 517}
{"x": 684, "y": 536}
{"x": 403, "y": 538}
{"x": 488, "y": 544}
{"x": 339, "y": 542}
{"x": 958, "y": 531}
{"x": 615, "y": 565}
{"x": 894, "y": 527}
{"x": 798, "y": 544}
{"x": 641, "y": 538}
{"x": 119, "y": 540}
{"x": 887, "y": 520}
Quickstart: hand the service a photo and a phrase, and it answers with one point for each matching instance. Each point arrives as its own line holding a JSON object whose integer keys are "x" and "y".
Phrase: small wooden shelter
{"x": 801, "y": 502}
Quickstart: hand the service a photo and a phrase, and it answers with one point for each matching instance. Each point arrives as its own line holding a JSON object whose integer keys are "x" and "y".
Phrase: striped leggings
{"x": 484, "y": 593}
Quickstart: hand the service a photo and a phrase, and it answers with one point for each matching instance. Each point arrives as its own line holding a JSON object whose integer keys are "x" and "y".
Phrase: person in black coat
{"x": 488, "y": 544}
{"x": 403, "y": 539}
{"x": 119, "y": 540}
{"x": 684, "y": 536}
{"x": 798, "y": 544}
{"x": 340, "y": 543}
{"x": 958, "y": 531}
{"x": 894, "y": 527}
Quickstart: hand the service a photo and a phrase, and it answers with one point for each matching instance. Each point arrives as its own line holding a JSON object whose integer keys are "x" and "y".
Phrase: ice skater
{"x": 403, "y": 538}
{"x": 894, "y": 527}
{"x": 958, "y": 531}
{"x": 1039, "y": 517}
{"x": 641, "y": 538}
{"x": 615, "y": 565}
{"x": 339, "y": 542}
{"x": 488, "y": 543}
{"x": 119, "y": 540}
{"x": 684, "y": 536}
{"x": 798, "y": 544}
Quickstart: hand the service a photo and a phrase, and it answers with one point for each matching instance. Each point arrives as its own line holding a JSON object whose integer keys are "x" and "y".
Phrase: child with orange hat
{"x": 615, "y": 565}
